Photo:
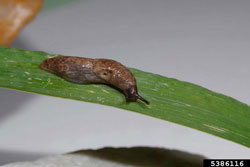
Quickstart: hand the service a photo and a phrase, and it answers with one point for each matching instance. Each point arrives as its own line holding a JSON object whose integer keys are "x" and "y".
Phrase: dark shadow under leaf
{"x": 146, "y": 156}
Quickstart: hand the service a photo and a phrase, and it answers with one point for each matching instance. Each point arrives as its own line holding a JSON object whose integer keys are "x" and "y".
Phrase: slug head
{"x": 117, "y": 75}
{"x": 132, "y": 95}
{"x": 128, "y": 86}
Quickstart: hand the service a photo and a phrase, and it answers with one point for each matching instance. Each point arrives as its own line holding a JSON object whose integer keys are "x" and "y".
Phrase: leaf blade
{"x": 171, "y": 100}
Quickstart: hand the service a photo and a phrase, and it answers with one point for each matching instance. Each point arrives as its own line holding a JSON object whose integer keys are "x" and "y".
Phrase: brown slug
{"x": 85, "y": 71}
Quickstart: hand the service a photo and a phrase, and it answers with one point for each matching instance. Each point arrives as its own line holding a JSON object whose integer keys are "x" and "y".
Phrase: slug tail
{"x": 44, "y": 65}
{"x": 49, "y": 65}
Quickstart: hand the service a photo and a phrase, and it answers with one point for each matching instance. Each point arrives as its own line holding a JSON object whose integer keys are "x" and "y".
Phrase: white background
{"x": 203, "y": 42}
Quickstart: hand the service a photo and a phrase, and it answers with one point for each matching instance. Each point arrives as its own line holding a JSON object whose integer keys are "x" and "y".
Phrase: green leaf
{"x": 52, "y": 4}
{"x": 170, "y": 99}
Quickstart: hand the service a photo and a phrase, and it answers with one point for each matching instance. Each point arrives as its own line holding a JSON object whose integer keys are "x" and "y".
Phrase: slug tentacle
{"x": 85, "y": 71}
{"x": 132, "y": 95}
{"x": 142, "y": 99}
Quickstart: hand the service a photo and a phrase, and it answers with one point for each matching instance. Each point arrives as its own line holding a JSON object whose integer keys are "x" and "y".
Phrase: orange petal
{"x": 14, "y": 15}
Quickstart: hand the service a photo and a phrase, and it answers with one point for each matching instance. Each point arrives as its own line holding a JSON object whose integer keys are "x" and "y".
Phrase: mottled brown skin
{"x": 85, "y": 71}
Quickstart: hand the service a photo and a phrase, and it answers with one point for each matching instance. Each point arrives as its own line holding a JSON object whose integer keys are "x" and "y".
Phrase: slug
{"x": 87, "y": 71}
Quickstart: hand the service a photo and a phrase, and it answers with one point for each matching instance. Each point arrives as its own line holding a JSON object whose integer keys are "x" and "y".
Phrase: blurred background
{"x": 203, "y": 42}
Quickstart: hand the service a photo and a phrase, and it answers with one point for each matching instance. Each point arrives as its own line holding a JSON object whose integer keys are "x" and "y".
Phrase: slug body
{"x": 86, "y": 71}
